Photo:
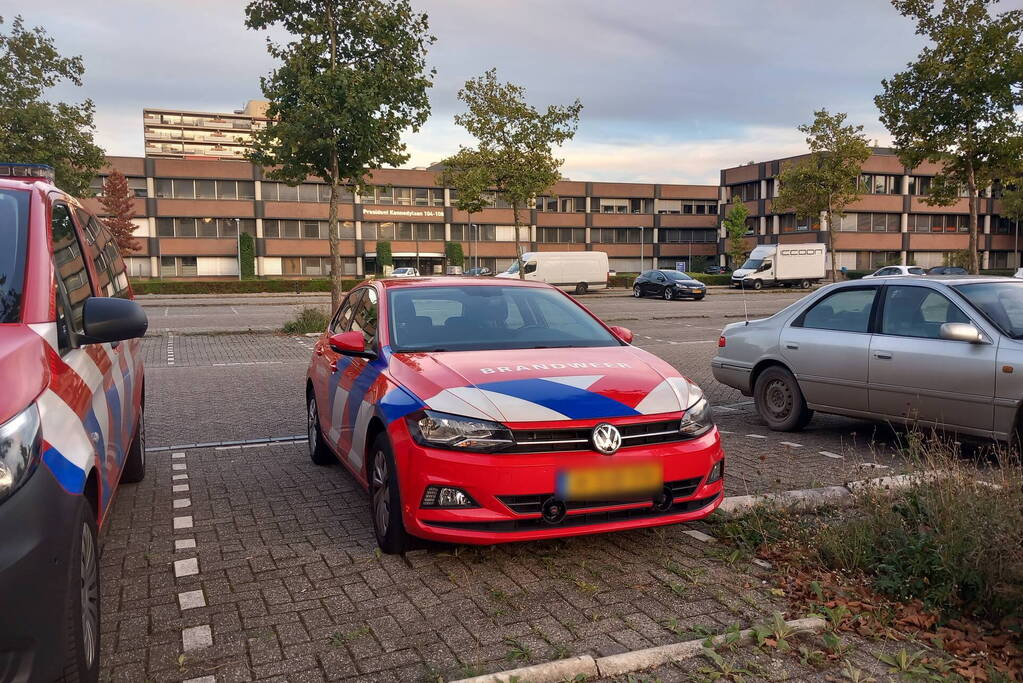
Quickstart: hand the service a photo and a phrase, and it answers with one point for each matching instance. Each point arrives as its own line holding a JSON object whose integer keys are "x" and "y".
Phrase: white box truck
{"x": 790, "y": 265}
{"x": 574, "y": 271}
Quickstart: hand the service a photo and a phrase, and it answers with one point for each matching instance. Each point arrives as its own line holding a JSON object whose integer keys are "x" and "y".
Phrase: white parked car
{"x": 896, "y": 271}
{"x": 405, "y": 272}
{"x": 1018, "y": 273}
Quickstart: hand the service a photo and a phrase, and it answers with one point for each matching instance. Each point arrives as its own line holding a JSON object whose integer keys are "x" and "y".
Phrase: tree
{"x": 735, "y": 230}
{"x": 36, "y": 131}
{"x": 1012, "y": 208}
{"x": 515, "y": 143}
{"x": 384, "y": 258}
{"x": 453, "y": 253}
{"x": 352, "y": 80}
{"x": 118, "y": 203}
{"x": 470, "y": 179}
{"x": 956, "y": 104}
{"x": 823, "y": 184}
{"x": 246, "y": 256}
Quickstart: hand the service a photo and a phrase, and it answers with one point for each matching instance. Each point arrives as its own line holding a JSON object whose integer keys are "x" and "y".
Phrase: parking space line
{"x": 790, "y": 444}
{"x": 179, "y": 488}
{"x": 186, "y": 567}
{"x": 829, "y": 454}
{"x": 196, "y": 637}
{"x": 179, "y": 476}
{"x": 184, "y": 544}
{"x": 183, "y": 522}
{"x": 756, "y": 436}
{"x": 182, "y": 503}
{"x": 191, "y": 599}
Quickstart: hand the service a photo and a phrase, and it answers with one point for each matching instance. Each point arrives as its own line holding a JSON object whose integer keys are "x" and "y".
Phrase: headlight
{"x": 20, "y": 447}
{"x": 455, "y": 432}
{"x": 697, "y": 419}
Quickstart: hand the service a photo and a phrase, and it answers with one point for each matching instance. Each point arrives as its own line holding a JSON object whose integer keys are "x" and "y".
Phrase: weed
{"x": 337, "y": 638}
{"x": 585, "y": 586}
{"x": 810, "y": 657}
{"x": 834, "y": 616}
{"x": 309, "y": 319}
{"x": 517, "y": 651}
{"x": 722, "y": 669}
{"x": 856, "y": 675}
{"x": 905, "y": 663}
{"x": 676, "y": 588}
{"x": 774, "y": 634}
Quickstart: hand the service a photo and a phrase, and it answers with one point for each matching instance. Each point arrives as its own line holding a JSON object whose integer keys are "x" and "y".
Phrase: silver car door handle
{"x": 791, "y": 346}
{"x": 883, "y": 355}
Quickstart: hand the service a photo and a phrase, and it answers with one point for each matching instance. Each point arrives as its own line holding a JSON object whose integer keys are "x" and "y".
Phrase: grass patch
{"x": 309, "y": 319}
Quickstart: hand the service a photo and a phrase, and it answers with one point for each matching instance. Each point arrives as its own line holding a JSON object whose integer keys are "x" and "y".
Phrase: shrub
{"x": 309, "y": 319}
{"x": 247, "y": 255}
{"x": 234, "y": 286}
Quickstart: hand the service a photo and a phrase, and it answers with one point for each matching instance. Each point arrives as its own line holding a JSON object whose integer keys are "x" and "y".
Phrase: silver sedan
{"x": 945, "y": 352}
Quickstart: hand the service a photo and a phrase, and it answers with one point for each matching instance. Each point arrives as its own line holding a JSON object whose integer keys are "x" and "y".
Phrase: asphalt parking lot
{"x": 243, "y": 561}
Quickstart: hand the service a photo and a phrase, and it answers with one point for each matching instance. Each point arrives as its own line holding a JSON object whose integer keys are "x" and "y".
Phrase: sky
{"x": 673, "y": 90}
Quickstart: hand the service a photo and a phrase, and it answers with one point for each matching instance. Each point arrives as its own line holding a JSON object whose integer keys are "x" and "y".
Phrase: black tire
{"x": 135, "y": 461}
{"x": 82, "y": 604}
{"x": 667, "y": 294}
{"x": 804, "y": 284}
{"x": 637, "y": 292}
{"x": 319, "y": 453}
{"x": 385, "y": 499}
{"x": 582, "y": 288}
{"x": 779, "y": 400}
{"x": 758, "y": 284}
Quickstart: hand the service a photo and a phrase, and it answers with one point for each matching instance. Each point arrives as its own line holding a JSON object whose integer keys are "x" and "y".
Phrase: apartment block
{"x": 173, "y": 133}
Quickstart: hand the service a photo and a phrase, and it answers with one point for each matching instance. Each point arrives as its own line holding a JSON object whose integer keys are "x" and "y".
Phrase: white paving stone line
{"x": 186, "y": 567}
{"x": 586, "y": 666}
{"x": 833, "y": 456}
{"x": 184, "y": 544}
{"x": 193, "y": 637}
{"x": 202, "y": 679}
{"x": 196, "y": 637}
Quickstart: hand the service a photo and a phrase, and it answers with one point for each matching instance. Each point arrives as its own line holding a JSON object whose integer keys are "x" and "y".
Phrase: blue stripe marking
{"x": 91, "y": 424}
{"x": 117, "y": 423}
{"x": 68, "y": 475}
{"x": 572, "y": 402}
{"x": 398, "y": 403}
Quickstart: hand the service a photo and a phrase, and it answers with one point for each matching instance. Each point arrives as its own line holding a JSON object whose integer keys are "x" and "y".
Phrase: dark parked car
{"x": 717, "y": 270}
{"x": 668, "y": 284}
{"x": 479, "y": 272}
{"x": 947, "y": 270}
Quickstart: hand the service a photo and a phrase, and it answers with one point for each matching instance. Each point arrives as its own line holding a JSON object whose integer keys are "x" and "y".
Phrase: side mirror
{"x": 108, "y": 319}
{"x": 351, "y": 343}
{"x": 623, "y": 333}
{"x": 961, "y": 332}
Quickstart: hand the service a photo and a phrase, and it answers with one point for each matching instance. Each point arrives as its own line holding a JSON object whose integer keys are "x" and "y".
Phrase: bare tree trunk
{"x": 971, "y": 184}
{"x": 332, "y": 223}
{"x": 832, "y": 234}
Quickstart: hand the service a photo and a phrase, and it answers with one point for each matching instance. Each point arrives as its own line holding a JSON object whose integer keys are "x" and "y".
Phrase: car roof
{"x": 455, "y": 281}
{"x": 943, "y": 279}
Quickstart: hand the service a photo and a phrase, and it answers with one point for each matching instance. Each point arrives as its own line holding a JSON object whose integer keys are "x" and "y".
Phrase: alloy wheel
{"x": 90, "y": 596}
{"x": 311, "y": 421}
{"x": 636, "y": 293}
{"x": 668, "y": 296}
{"x": 381, "y": 493}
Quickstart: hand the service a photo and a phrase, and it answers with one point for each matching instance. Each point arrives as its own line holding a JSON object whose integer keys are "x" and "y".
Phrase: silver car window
{"x": 918, "y": 312}
{"x": 846, "y": 310}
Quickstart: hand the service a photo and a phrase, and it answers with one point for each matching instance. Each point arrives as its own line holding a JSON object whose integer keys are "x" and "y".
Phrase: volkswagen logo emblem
{"x": 606, "y": 438}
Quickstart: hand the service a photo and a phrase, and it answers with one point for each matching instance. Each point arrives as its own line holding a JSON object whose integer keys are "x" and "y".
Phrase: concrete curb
{"x": 625, "y": 663}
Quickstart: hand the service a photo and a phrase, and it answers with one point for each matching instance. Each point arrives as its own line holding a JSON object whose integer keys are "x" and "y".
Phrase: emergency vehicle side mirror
{"x": 109, "y": 319}
{"x": 623, "y": 333}
{"x": 351, "y": 343}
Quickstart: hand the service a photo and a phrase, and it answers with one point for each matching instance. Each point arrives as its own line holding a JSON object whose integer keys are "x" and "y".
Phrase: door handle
{"x": 333, "y": 365}
{"x": 883, "y": 355}
{"x": 790, "y": 345}
{"x": 319, "y": 350}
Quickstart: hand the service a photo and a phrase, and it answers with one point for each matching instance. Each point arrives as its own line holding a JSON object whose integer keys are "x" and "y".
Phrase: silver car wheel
{"x": 636, "y": 292}
{"x": 381, "y": 493}
{"x": 90, "y": 596}
{"x": 668, "y": 294}
{"x": 778, "y": 399}
{"x": 311, "y": 430}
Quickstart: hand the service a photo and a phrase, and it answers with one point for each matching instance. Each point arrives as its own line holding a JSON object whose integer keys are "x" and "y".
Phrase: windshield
{"x": 14, "y": 238}
{"x": 676, "y": 275}
{"x": 513, "y": 268}
{"x": 916, "y": 271}
{"x": 489, "y": 317}
{"x": 752, "y": 264}
{"x": 1000, "y": 302}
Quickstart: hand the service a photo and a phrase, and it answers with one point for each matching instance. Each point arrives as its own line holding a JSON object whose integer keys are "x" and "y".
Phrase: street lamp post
{"x": 1015, "y": 243}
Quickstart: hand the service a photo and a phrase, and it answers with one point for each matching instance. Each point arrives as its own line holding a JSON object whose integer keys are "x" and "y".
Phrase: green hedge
{"x": 1004, "y": 272}
{"x": 234, "y": 286}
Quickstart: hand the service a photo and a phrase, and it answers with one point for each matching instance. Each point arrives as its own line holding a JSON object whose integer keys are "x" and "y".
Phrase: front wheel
{"x": 780, "y": 401}
{"x": 758, "y": 284}
{"x": 668, "y": 294}
{"x": 82, "y": 611}
{"x": 385, "y": 499}
{"x": 637, "y": 292}
{"x": 318, "y": 451}
{"x": 804, "y": 284}
{"x": 581, "y": 288}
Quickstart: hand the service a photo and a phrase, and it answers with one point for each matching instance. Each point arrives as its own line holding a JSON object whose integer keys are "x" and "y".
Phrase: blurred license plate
{"x": 610, "y": 482}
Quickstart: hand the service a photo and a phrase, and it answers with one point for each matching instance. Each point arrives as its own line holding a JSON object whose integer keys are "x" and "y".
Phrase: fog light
{"x": 446, "y": 497}
{"x": 716, "y": 472}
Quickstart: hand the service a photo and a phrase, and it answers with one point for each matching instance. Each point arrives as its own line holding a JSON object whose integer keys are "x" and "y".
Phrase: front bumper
{"x": 690, "y": 291}
{"x": 510, "y": 488}
{"x": 37, "y": 532}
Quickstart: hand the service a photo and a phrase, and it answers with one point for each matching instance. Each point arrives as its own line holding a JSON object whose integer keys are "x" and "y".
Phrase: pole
{"x": 475, "y": 234}
{"x": 1015, "y": 243}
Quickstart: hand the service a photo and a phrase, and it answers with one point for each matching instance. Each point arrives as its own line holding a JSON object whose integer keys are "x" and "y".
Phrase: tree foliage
{"x": 34, "y": 130}
{"x": 823, "y": 184}
{"x": 384, "y": 257}
{"x": 352, "y": 79}
{"x": 454, "y": 254}
{"x": 118, "y": 203}
{"x": 515, "y": 142}
{"x": 956, "y": 104}
{"x": 246, "y": 256}
{"x": 735, "y": 230}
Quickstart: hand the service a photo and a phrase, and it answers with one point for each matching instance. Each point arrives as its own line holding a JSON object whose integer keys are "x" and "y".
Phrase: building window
{"x": 403, "y": 196}
{"x": 561, "y": 204}
{"x": 314, "y": 265}
{"x": 919, "y": 185}
{"x": 698, "y": 207}
{"x": 204, "y": 227}
{"x": 686, "y": 236}
{"x": 998, "y": 259}
{"x": 180, "y": 188}
{"x": 137, "y": 186}
{"x": 926, "y": 222}
{"x": 870, "y": 222}
{"x": 179, "y": 266}
{"x": 481, "y": 233}
{"x": 619, "y": 235}
{"x": 561, "y": 235}
{"x": 306, "y": 192}
{"x": 747, "y": 192}
{"x": 879, "y": 183}
{"x": 315, "y": 230}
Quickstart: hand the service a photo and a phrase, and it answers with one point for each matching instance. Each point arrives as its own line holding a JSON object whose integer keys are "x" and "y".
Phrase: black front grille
{"x": 585, "y": 519}
{"x": 558, "y": 440}
{"x": 530, "y": 504}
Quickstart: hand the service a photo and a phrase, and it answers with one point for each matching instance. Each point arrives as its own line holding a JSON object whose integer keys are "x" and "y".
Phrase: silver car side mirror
{"x": 961, "y": 332}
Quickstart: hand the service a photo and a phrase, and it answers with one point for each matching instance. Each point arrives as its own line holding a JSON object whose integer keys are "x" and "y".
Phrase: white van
{"x": 790, "y": 265}
{"x": 575, "y": 271}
